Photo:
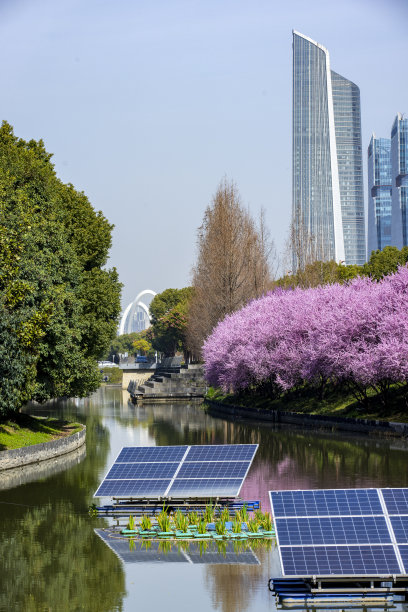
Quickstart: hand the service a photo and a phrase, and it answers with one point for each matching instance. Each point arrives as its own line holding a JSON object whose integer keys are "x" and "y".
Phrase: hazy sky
{"x": 146, "y": 105}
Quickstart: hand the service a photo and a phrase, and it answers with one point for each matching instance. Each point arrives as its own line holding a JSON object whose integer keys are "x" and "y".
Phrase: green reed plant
{"x": 225, "y": 515}
{"x": 183, "y": 523}
{"x": 267, "y": 522}
{"x": 163, "y": 520}
{"x": 178, "y": 518}
{"x": 220, "y": 527}
{"x": 253, "y": 525}
{"x": 145, "y": 523}
{"x": 244, "y": 514}
{"x": 202, "y": 526}
{"x": 236, "y": 526}
{"x": 131, "y": 523}
{"x": 209, "y": 513}
{"x": 259, "y": 516}
{"x": 193, "y": 518}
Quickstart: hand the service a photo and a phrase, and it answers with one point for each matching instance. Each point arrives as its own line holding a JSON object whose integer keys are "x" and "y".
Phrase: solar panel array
{"x": 207, "y": 471}
{"x": 342, "y": 532}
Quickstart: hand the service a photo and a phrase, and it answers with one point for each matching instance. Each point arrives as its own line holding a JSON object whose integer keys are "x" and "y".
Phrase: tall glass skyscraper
{"x": 399, "y": 162}
{"x": 328, "y": 195}
{"x": 379, "y": 194}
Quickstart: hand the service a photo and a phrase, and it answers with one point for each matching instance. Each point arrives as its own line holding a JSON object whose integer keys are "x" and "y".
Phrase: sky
{"x": 148, "y": 104}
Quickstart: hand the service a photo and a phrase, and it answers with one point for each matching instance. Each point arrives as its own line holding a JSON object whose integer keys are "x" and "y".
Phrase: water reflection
{"x": 45, "y": 526}
{"x": 165, "y": 551}
{"x": 34, "y": 471}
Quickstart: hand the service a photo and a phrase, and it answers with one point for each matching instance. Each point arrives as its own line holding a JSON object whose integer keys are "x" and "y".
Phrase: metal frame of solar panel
{"x": 342, "y": 532}
{"x": 178, "y": 472}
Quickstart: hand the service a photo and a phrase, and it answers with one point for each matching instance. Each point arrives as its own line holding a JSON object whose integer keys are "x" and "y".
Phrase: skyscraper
{"x": 399, "y": 163}
{"x": 379, "y": 194}
{"x": 328, "y": 196}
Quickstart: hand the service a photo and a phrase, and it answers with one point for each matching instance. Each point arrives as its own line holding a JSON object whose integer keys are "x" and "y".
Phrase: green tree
{"x": 386, "y": 261}
{"x": 58, "y": 306}
{"x": 169, "y": 320}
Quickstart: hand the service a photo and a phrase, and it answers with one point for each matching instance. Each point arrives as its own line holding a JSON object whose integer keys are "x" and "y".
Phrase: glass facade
{"x": 399, "y": 161}
{"x": 379, "y": 194}
{"x": 327, "y": 196}
{"x": 347, "y": 121}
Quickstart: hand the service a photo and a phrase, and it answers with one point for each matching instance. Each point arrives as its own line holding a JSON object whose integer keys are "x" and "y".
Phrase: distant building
{"x": 399, "y": 165}
{"x": 379, "y": 194}
{"x": 328, "y": 194}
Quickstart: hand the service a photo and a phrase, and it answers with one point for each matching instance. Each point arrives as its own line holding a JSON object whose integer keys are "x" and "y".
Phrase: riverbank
{"x": 335, "y": 403}
{"x": 333, "y": 413}
{"x": 26, "y": 430}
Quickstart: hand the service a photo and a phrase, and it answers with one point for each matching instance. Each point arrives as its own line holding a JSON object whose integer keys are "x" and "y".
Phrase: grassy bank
{"x": 338, "y": 402}
{"x": 27, "y": 430}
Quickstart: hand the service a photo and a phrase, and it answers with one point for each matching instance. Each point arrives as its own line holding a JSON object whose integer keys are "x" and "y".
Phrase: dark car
{"x": 141, "y": 359}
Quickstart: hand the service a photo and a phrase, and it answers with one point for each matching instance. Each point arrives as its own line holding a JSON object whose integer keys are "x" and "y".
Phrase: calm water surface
{"x": 52, "y": 560}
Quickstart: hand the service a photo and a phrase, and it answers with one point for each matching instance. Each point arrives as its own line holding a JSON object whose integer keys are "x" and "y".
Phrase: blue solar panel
{"x": 214, "y": 469}
{"x": 339, "y": 560}
{"x": 404, "y": 556}
{"x": 396, "y": 500}
{"x": 338, "y": 530}
{"x": 141, "y": 470}
{"x": 141, "y": 454}
{"x": 133, "y": 488}
{"x": 326, "y": 502}
{"x": 400, "y": 528}
{"x": 205, "y": 487}
{"x": 217, "y": 471}
{"x": 222, "y": 452}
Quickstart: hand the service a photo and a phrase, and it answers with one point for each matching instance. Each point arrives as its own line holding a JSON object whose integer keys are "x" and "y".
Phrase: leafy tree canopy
{"x": 58, "y": 307}
{"x": 169, "y": 320}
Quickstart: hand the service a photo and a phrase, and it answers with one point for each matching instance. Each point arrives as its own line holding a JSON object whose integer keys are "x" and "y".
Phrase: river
{"x": 52, "y": 559}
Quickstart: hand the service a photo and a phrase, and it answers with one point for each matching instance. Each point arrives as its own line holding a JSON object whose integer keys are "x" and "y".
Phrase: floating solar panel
{"x": 205, "y": 487}
{"x": 133, "y": 488}
{"x": 168, "y": 472}
{"x": 342, "y": 532}
{"x": 339, "y": 560}
{"x": 326, "y": 502}
{"x": 333, "y": 530}
{"x": 142, "y": 454}
{"x": 396, "y": 500}
{"x": 400, "y": 527}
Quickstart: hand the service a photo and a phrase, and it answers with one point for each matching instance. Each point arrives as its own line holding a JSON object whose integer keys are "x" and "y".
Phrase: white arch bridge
{"x": 126, "y": 321}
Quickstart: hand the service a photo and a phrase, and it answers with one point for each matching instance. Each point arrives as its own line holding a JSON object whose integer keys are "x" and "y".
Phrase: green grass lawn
{"x": 336, "y": 402}
{"x": 27, "y": 430}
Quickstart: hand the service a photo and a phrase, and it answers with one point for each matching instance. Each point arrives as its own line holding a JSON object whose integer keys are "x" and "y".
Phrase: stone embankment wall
{"x": 140, "y": 376}
{"x": 40, "y": 452}
{"x": 311, "y": 421}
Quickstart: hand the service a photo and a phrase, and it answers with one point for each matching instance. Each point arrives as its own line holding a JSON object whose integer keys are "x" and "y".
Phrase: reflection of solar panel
{"x": 342, "y": 532}
{"x": 178, "y": 471}
{"x": 163, "y": 552}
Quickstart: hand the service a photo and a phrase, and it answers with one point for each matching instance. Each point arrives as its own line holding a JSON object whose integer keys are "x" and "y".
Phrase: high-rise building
{"x": 379, "y": 194}
{"x": 399, "y": 164}
{"x": 328, "y": 195}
